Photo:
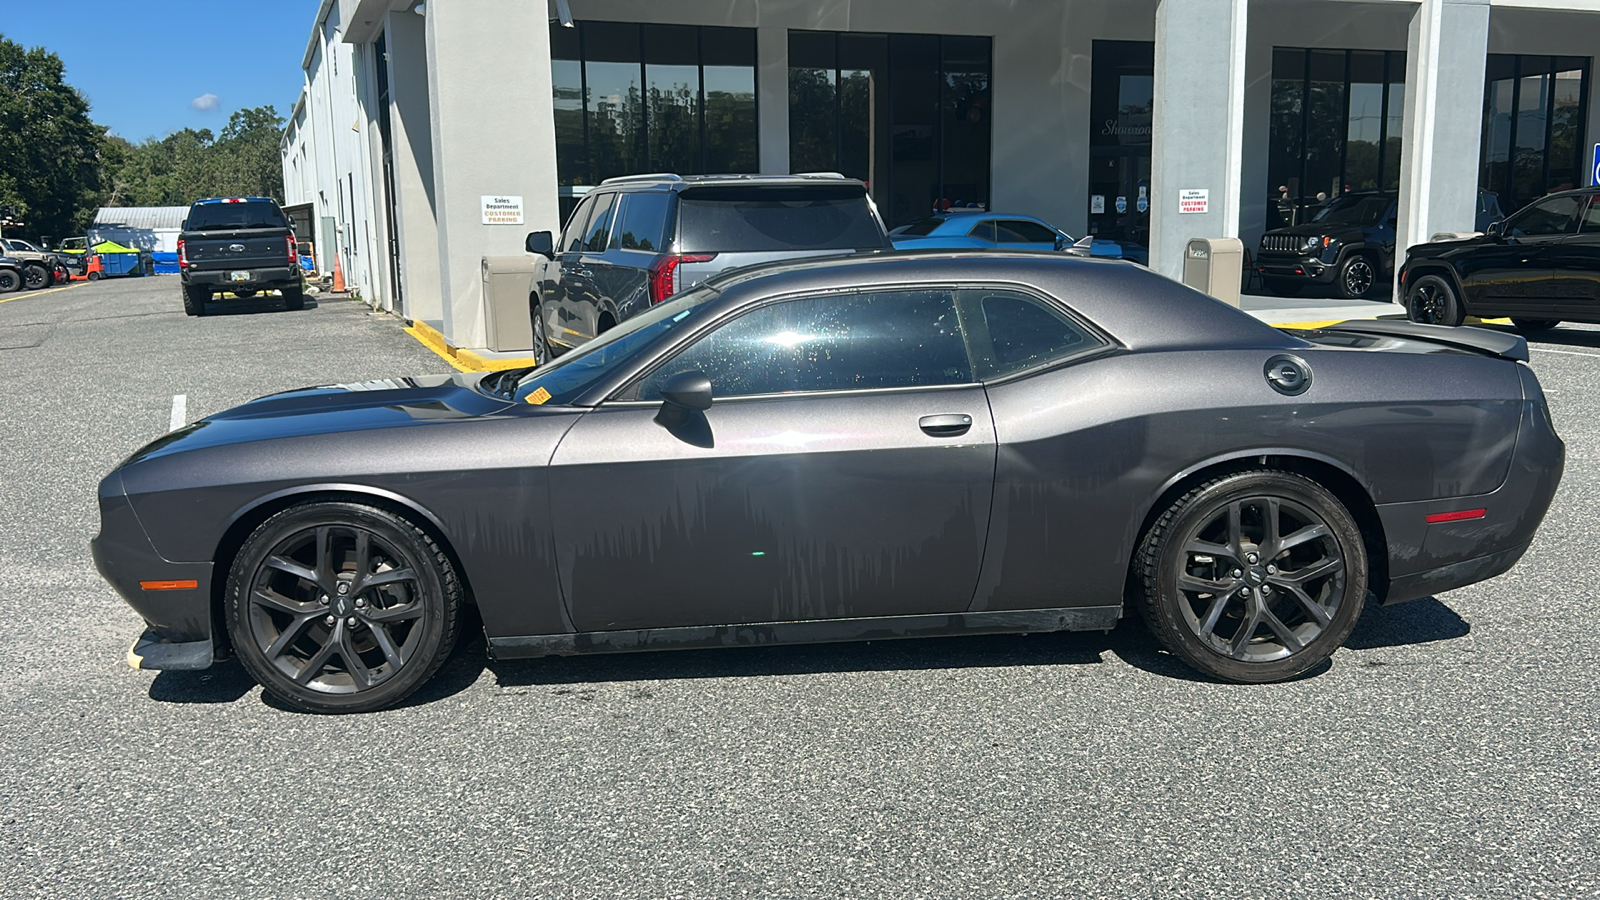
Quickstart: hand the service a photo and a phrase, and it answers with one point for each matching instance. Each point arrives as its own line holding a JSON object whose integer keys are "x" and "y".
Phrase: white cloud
{"x": 204, "y": 103}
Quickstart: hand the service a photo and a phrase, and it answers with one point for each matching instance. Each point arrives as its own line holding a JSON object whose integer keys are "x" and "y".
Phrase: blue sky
{"x": 144, "y": 66}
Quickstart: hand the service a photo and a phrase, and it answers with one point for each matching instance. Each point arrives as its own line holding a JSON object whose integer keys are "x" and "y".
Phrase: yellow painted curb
{"x": 19, "y": 295}
{"x": 462, "y": 360}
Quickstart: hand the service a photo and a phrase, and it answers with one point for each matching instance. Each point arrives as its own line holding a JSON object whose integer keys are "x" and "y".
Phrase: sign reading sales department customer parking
{"x": 502, "y": 210}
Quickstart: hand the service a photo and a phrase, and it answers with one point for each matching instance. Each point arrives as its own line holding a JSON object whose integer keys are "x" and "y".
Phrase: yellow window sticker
{"x": 539, "y": 396}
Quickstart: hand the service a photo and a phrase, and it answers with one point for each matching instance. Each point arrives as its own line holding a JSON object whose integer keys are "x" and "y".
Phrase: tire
{"x": 294, "y": 298}
{"x": 35, "y": 277}
{"x": 194, "y": 300}
{"x": 244, "y": 295}
{"x": 541, "y": 342}
{"x": 10, "y": 280}
{"x": 1535, "y": 324}
{"x": 404, "y": 597}
{"x": 1281, "y": 288}
{"x": 1431, "y": 300}
{"x": 1297, "y": 616}
{"x": 1357, "y": 277}
{"x": 94, "y": 276}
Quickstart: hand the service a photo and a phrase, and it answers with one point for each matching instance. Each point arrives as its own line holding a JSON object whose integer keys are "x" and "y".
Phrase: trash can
{"x": 507, "y": 283}
{"x": 1214, "y": 266}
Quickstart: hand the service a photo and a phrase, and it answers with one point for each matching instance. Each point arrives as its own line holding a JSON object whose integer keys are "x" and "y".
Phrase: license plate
{"x": 238, "y": 276}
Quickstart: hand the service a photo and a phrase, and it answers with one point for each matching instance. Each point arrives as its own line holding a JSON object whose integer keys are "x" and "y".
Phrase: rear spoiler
{"x": 1494, "y": 343}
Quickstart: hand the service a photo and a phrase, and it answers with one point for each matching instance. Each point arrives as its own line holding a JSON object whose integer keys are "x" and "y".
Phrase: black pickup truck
{"x": 238, "y": 245}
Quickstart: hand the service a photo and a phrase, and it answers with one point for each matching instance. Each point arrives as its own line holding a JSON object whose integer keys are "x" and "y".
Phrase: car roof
{"x": 675, "y": 182}
{"x": 1141, "y": 309}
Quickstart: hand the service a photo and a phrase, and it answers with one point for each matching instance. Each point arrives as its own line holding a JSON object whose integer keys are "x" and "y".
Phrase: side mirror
{"x": 541, "y": 243}
{"x": 1061, "y": 243}
{"x": 690, "y": 390}
{"x": 1497, "y": 229}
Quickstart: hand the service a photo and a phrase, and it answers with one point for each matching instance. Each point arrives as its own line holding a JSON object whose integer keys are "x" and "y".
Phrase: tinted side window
{"x": 983, "y": 231}
{"x": 1551, "y": 216}
{"x": 572, "y": 237}
{"x": 1019, "y": 231}
{"x": 599, "y": 229}
{"x": 643, "y": 221}
{"x": 1590, "y": 222}
{"x": 829, "y": 343}
{"x": 1020, "y": 332}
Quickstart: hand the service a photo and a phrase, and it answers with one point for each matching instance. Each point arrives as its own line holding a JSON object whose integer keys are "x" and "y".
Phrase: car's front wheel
{"x": 341, "y": 607}
{"x": 1253, "y": 577}
{"x": 1534, "y": 324}
{"x": 1357, "y": 277}
{"x": 36, "y": 277}
{"x": 1432, "y": 301}
{"x": 541, "y": 343}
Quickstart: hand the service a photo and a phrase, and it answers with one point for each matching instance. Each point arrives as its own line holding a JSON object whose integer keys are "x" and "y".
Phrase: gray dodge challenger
{"x": 895, "y": 446}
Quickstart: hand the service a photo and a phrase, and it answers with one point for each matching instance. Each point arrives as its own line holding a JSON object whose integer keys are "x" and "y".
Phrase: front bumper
{"x": 174, "y": 599}
{"x": 1309, "y": 269}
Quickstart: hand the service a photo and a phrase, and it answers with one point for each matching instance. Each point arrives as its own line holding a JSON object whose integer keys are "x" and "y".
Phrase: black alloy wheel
{"x": 1254, "y": 577}
{"x": 35, "y": 277}
{"x": 340, "y": 607}
{"x": 1357, "y": 277}
{"x": 1432, "y": 301}
{"x": 10, "y": 280}
{"x": 1534, "y": 324}
{"x": 541, "y": 343}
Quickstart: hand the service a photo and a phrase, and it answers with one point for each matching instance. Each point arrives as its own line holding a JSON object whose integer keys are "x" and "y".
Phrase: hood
{"x": 1441, "y": 247}
{"x": 1314, "y": 229}
{"x": 386, "y": 403}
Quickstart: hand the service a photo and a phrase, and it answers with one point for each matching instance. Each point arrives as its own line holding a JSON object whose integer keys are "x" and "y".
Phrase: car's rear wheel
{"x": 9, "y": 281}
{"x": 1535, "y": 324}
{"x": 1432, "y": 301}
{"x": 294, "y": 298}
{"x": 1253, "y": 577}
{"x": 35, "y": 277}
{"x": 1357, "y": 277}
{"x": 341, "y": 607}
{"x": 194, "y": 300}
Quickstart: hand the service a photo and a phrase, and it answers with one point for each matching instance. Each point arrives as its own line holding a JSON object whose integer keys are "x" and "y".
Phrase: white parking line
{"x": 180, "y": 413}
{"x": 1566, "y": 352}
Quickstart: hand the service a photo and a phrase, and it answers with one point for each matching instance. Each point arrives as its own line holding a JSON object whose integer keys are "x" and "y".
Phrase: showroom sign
{"x": 502, "y": 210}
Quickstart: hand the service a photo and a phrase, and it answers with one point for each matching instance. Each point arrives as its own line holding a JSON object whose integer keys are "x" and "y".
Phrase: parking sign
{"x": 1594, "y": 167}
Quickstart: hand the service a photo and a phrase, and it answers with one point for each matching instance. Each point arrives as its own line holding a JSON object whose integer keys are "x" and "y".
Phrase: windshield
{"x": 569, "y": 376}
{"x": 1354, "y": 209}
{"x": 230, "y": 216}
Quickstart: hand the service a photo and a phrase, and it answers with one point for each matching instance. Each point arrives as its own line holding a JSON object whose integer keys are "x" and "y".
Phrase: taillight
{"x": 294, "y": 255}
{"x": 183, "y": 256}
{"x": 664, "y": 273}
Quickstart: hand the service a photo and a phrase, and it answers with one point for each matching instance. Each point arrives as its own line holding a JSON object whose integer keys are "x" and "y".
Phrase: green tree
{"x": 50, "y": 166}
{"x": 186, "y": 165}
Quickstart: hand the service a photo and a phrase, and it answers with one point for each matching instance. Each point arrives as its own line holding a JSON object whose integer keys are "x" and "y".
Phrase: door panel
{"x": 1575, "y": 268}
{"x": 774, "y": 509}
{"x": 1514, "y": 275}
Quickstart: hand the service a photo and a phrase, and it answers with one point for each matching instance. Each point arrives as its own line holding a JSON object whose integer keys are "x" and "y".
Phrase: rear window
{"x": 765, "y": 220}
{"x": 227, "y": 216}
{"x": 919, "y": 228}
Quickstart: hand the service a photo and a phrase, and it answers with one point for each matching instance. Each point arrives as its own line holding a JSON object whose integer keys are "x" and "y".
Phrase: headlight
{"x": 1313, "y": 243}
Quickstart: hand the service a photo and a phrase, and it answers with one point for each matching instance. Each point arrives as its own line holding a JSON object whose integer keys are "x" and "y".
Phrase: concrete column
{"x": 411, "y": 140}
{"x": 1444, "y": 119}
{"x": 1198, "y": 137}
{"x": 493, "y": 134}
{"x": 772, "y": 98}
{"x": 1254, "y": 189}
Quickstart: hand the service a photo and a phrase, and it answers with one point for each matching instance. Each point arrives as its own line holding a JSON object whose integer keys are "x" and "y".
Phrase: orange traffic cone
{"x": 338, "y": 275}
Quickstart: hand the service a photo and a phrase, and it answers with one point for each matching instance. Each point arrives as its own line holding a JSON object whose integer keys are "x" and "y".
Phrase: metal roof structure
{"x": 140, "y": 217}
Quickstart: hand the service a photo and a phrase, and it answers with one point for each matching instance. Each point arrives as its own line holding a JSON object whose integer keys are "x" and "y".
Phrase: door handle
{"x": 950, "y": 425}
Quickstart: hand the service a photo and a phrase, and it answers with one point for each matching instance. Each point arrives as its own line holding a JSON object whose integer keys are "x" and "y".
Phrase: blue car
{"x": 979, "y": 229}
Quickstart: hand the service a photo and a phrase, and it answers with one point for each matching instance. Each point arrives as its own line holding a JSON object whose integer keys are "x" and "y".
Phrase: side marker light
{"x": 186, "y": 585}
{"x": 1459, "y": 515}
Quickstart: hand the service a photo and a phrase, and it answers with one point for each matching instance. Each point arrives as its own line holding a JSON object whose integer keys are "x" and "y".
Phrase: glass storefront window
{"x": 908, "y": 114}
{"x": 1121, "y": 108}
{"x": 1533, "y": 125}
{"x": 651, "y": 98}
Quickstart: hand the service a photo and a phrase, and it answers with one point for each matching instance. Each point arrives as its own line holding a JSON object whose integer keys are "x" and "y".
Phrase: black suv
{"x": 1349, "y": 244}
{"x": 635, "y": 241}
{"x": 1540, "y": 267}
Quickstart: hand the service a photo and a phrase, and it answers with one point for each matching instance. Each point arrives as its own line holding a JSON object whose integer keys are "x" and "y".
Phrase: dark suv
{"x": 1349, "y": 244}
{"x": 1540, "y": 267}
{"x": 636, "y": 241}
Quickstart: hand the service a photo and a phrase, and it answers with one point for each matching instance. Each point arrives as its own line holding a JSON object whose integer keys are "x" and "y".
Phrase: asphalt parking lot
{"x": 1452, "y": 750}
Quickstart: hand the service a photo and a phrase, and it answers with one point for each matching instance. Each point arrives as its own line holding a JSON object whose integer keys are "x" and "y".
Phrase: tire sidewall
{"x": 10, "y": 281}
{"x": 1451, "y": 312}
{"x": 1172, "y": 627}
{"x": 1351, "y": 262}
{"x": 441, "y": 608}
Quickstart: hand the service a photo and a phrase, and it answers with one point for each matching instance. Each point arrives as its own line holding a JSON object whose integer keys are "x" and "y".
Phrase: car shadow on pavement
{"x": 1560, "y": 337}
{"x": 237, "y": 307}
{"x": 979, "y": 651}
{"x": 224, "y": 682}
{"x": 1413, "y": 622}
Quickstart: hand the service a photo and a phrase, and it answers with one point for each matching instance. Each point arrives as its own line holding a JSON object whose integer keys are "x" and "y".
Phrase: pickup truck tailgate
{"x": 215, "y": 250}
